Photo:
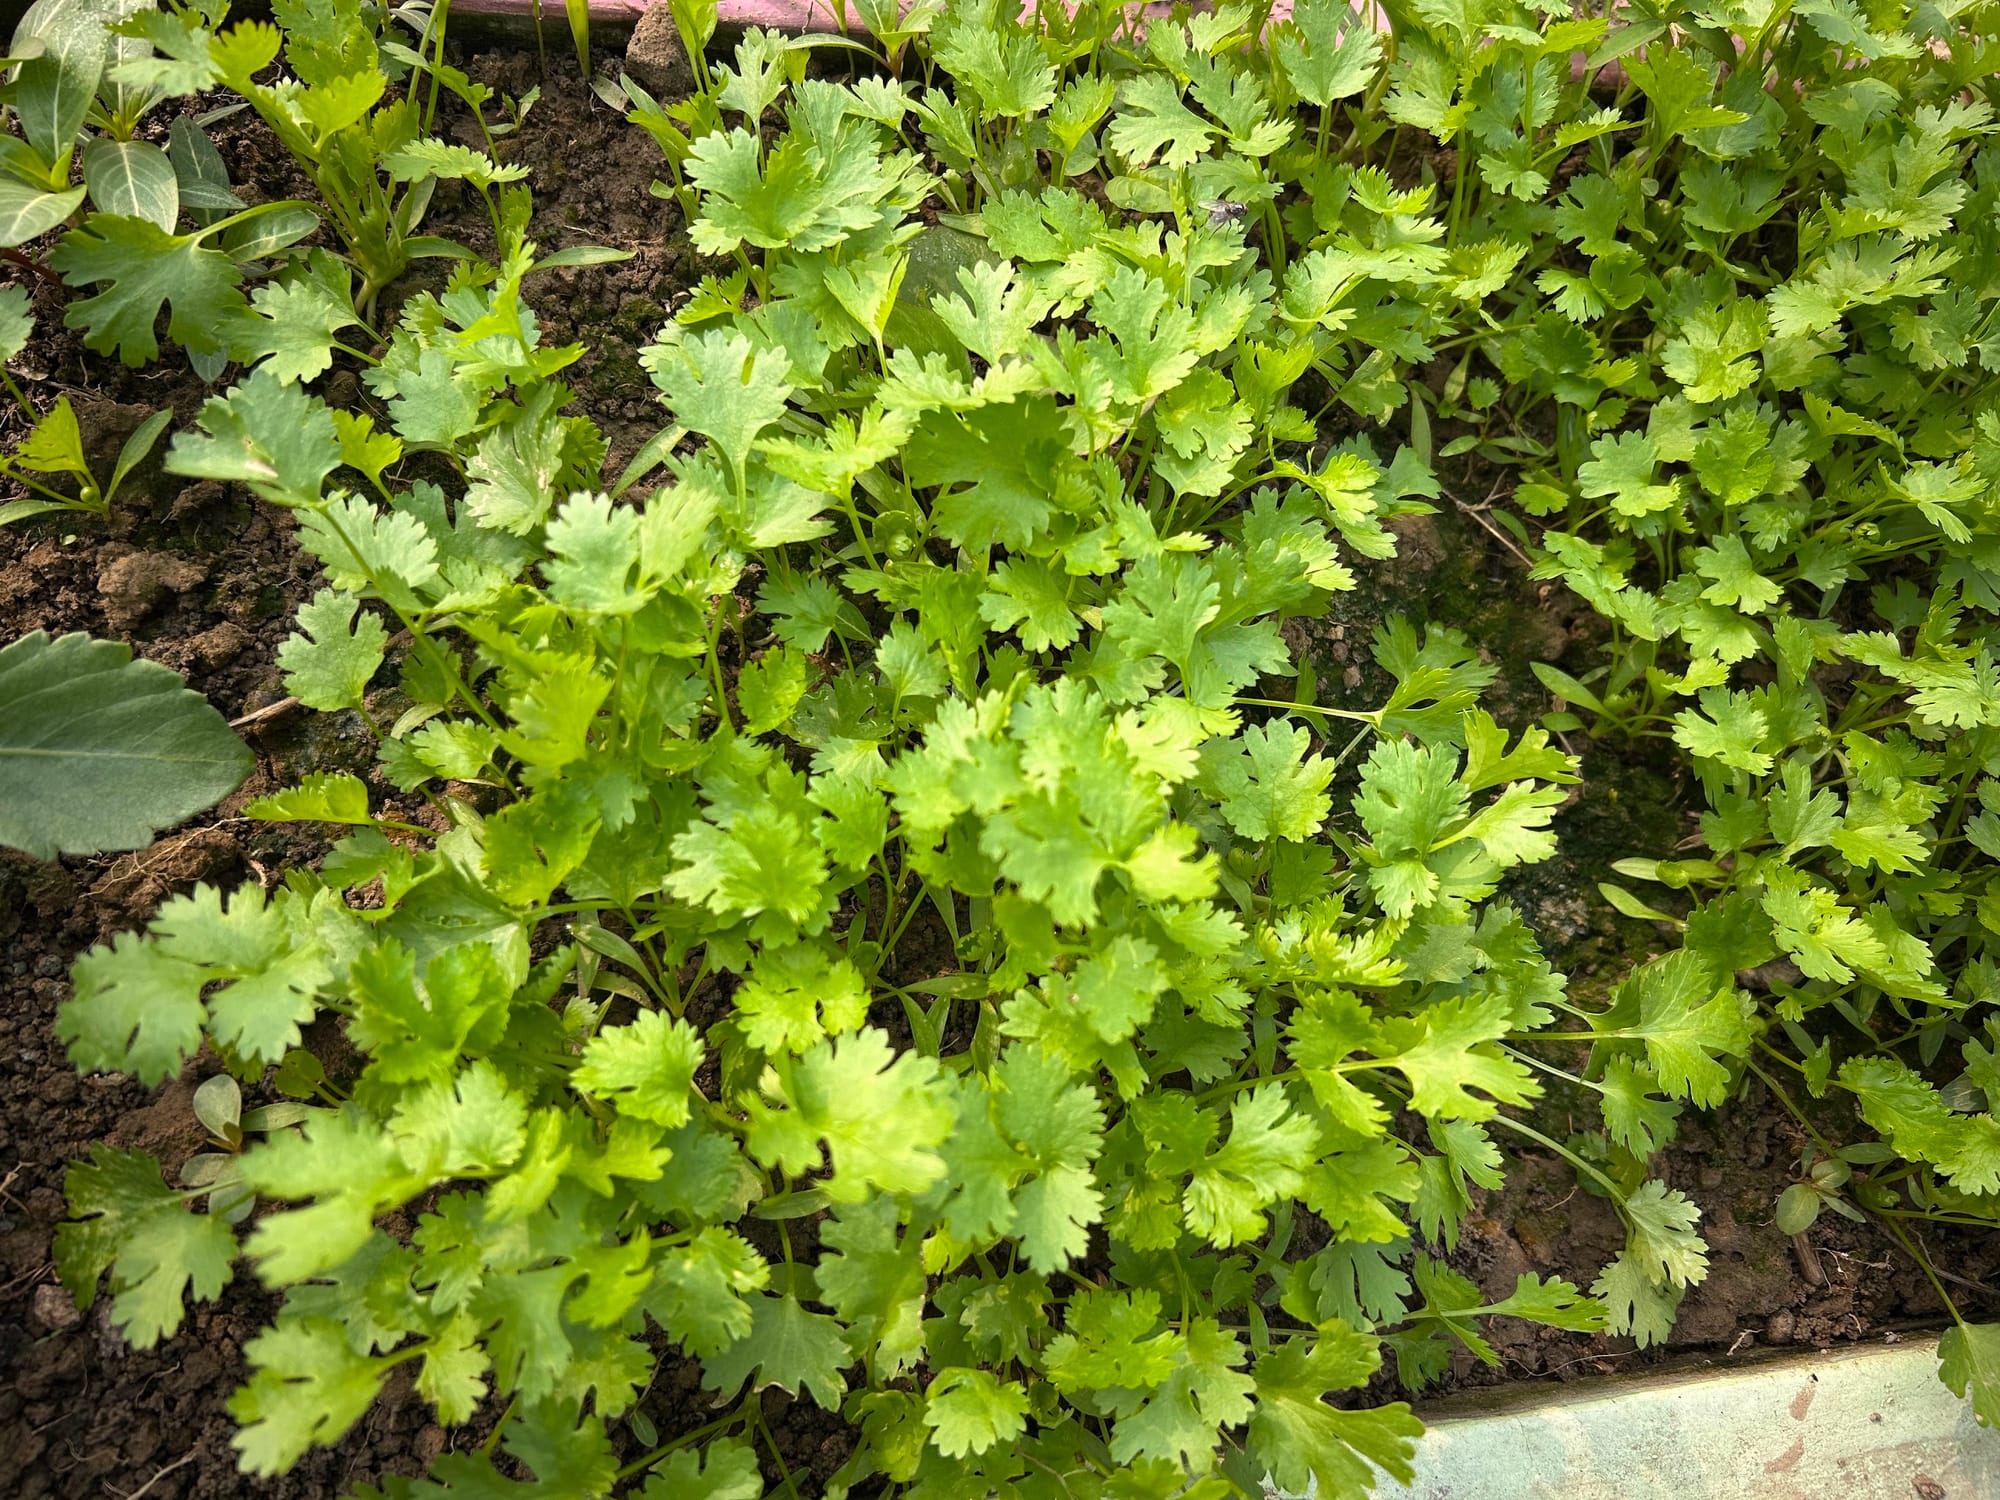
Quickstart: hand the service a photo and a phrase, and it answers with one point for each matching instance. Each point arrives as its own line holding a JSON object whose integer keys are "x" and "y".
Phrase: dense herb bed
{"x": 997, "y": 461}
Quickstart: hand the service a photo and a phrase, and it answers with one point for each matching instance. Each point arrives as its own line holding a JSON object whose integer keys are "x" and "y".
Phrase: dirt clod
{"x": 52, "y": 1309}
{"x": 656, "y": 58}
{"x": 133, "y": 584}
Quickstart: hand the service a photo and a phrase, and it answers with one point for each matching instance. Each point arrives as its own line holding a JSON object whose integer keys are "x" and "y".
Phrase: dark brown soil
{"x": 204, "y": 579}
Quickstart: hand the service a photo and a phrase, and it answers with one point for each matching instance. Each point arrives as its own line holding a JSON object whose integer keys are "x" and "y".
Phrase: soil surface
{"x": 204, "y": 579}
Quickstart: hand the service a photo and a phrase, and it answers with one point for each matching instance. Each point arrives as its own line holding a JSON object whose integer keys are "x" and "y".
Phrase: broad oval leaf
{"x": 201, "y": 174}
{"x": 99, "y": 752}
{"x": 26, "y": 212}
{"x": 53, "y": 91}
{"x": 267, "y": 229}
{"x": 132, "y": 178}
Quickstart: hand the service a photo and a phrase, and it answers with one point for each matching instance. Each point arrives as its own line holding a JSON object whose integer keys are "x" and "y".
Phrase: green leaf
{"x": 17, "y": 321}
{"x": 1634, "y": 1303}
{"x": 322, "y": 797}
{"x": 1912, "y": 1115}
{"x": 1448, "y": 1049}
{"x": 769, "y": 689}
{"x": 1264, "y": 1160}
{"x": 646, "y": 1069}
{"x": 1661, "y": 1238}
{"x": 1325, "y": 52}
{"x": 1969, "y": 1362}
{"x": 1797, "y": 1208}
{"x": 840, "y": 1092}
{"x": 371, "y": 552}
{"x": 969, "y": 1411}
{"x": 1270, "y": 787}
{"x": 201, "y": 175}
{"x": 143, "y": 268}
{"x": 795, "y": 1350}
{"x": 28, "y": 213}
{"x": 132, "y": 178}
{"x": 134, "y": 450}
{"x": 129, "y": 1222}
{"x": 699, "y": 1289}
{"x": 265, "y": 433}
{"x": 794, "y": 997}
{"x": 447, "y": 159}
{"x": 307, "y": 1386}
{"x": 53, "y": 91}
{"x": 297, "y": 320}
{"x": 1304, "y": 1442}
{"x": 1687, "y": 1021}
{"x": 726, "y": 389}
{"x": 100, "y": 752}
{"x": 1152, "y": 121}
{"x": 723, "y": 1470}
{"x": 594, "y": 546}
{"x": 804, "y": 195}
{"x": 1633, "y": 1118}
{"x": 432, "y": 405}
{"x": 1729, "y": 730}
{"x": 453, "y": 1376}
{"x": 1204, "y": 1393}
{"x": 328, "y": 666}
{"x": 1003, "y": 456}
{"x": 55, "y": 444}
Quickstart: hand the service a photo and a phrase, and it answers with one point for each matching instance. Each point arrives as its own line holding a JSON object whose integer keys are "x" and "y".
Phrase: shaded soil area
{"x": 204, "y": 579}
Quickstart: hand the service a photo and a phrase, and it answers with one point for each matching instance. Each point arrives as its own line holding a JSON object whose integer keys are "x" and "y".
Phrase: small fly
{"x": 1224, "y": 211}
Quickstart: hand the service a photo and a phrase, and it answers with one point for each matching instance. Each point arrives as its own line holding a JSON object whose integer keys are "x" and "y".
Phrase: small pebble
{"x": 52, "y": 1309}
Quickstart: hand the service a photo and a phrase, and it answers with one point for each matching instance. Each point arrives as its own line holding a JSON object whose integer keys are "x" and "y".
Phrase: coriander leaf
{"x": 328, "y": 666}
{"x": 307, "y": 1386}
{"x": 136, "y": 1009}
{"x": 876, "y": 1284}
{"x": 728, "y": 390}
{"x": 1729, "y": 730}
{"x": 1205, "y": 1393}
{"x": 969, "y": 1411}
{"x": 724, "y": 1469}
{"x": 1449, "y": 1049}
{"x": 788, "y": 1347}
{"x": 699, "y": 1288}
{"x": 1661, "y": 1238}
{"x": 1634, "y": 1304}
{"x": 1264, "y": 1160}
{"x": 1687, "y": 1021}
{"x": 796, "y": 996}
{"x": 1152, "y": 121}
{"x": 594, "y": 546}
{"x": 297, "y": 320}
{"x": 1325, "y": 53}
{"x": 1969, "y": 1362}
{"x": 841, "y": 1092}
{"x": 1270, "y": 787}
{"x": 646, "y": 1069}
{"x": 1303, "y": 1441}
{"x": 274, "y": 437}
{"x": 129, "y": 1222}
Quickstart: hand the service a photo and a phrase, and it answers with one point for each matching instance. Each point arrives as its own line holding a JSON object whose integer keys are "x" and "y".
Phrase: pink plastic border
{"x": 797, "y": 16}
{"x": 777, "y": 15}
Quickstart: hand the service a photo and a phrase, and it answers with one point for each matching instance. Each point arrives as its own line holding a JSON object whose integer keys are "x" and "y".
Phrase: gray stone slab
{"x": 1870, "y": 1423}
